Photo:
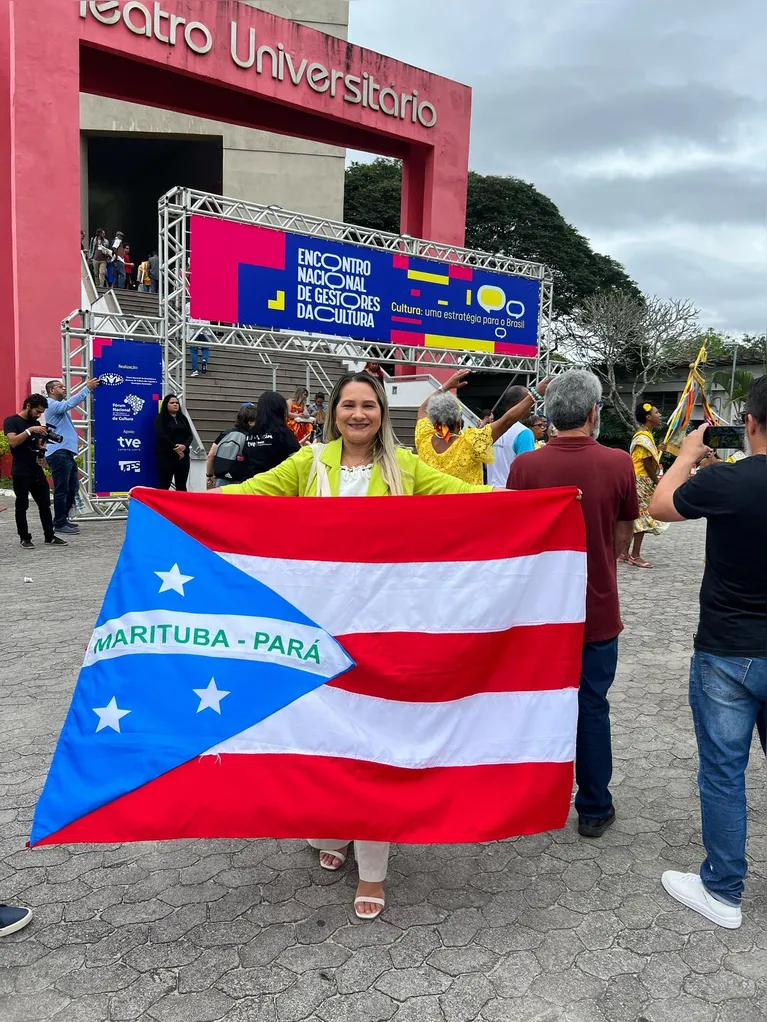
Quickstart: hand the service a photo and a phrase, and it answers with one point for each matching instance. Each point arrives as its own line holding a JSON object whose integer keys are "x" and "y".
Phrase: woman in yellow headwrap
{"x": 442, "y": 441}
{"x": 646, "y": 458}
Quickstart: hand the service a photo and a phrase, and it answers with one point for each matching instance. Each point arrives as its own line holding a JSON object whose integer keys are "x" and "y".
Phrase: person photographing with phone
{"x": 728, "y": 673}
{"x": 61, "y": 453}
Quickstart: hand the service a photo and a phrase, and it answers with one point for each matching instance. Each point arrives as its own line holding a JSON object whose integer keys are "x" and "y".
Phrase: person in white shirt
{"x": 514, "y": 441}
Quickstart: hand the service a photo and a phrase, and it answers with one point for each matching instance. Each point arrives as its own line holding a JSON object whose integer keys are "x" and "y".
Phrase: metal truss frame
{"x": 78, "y": 332}
{"x": 176, "y": 330}
{"x": 180, "y": 330}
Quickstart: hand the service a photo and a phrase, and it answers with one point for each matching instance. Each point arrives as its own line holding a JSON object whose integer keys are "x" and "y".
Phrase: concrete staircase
{"x": 236, "y": 375}
{"x": 135, "y": 303}
{"x": 403, "y": 421}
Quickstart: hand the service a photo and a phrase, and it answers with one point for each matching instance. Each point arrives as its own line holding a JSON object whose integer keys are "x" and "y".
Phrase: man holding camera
{"x": 61, "y": 454}
{"x": 26, "y": 438}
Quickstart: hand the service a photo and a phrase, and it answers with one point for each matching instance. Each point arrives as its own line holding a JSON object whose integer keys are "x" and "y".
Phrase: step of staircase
{"x": 403, "y": 422}
{"x": 236, "y": 375}
{"x": 135, "y": 303}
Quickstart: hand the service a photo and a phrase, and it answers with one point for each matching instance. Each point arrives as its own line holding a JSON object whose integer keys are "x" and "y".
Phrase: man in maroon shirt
{"x": 606, "y": 478}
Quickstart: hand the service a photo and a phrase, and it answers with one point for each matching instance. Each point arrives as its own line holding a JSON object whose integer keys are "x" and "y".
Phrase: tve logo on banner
{"x": 124, "y": 410}
{"x": 243, "y": 273}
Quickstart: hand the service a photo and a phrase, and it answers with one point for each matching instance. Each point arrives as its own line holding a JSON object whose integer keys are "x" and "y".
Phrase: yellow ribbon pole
{"x": 694, "y": 376}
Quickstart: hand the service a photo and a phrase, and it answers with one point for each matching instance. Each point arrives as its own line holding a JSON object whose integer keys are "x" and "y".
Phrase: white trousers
{"x": 372, "y": 856}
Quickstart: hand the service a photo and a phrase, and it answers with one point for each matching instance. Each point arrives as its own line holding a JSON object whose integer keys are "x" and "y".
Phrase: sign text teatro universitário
{"x": 150, "y": 20}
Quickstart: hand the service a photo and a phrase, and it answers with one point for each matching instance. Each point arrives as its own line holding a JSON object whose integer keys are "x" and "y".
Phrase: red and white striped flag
{"x": 463, "y": 616}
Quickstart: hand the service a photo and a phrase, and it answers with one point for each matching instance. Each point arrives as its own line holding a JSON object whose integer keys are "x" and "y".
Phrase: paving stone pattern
{"x": 531, "y": 930}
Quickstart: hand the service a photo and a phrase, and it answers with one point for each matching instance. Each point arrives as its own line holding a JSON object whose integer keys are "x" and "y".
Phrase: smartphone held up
{"x": 725, "y": 437}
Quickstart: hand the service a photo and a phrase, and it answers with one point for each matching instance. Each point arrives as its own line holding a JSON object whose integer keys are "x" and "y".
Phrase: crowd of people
{"x": 112, "y": 265}
{"x": 299, "y": 449}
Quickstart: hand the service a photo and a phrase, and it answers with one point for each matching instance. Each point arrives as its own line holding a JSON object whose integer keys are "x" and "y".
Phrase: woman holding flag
{"x": 360, "y": 458}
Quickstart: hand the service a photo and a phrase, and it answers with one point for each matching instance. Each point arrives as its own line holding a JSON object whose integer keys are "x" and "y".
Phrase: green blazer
{"x": 290, "y": 478}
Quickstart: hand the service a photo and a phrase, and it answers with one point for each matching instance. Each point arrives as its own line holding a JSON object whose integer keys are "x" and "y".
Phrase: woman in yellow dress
{"x": 443, "y": 443}
{"x": 646, "y": 458}
{"x": 298, "y": 418}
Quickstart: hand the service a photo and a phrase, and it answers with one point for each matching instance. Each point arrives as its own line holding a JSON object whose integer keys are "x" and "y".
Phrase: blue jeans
{"x": 118, "y": 273}
{"x": 726, "y": 696}
{"x": 194, "y": 354}
{"x": 64, "y": 471}
{"x": 593, "y": 748}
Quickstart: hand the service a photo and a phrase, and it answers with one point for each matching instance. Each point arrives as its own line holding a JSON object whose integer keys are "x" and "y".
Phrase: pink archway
{"x": 210, "y": 58}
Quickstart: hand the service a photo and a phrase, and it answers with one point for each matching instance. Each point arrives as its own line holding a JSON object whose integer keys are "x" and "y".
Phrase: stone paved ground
{"x": 532, "y": 930}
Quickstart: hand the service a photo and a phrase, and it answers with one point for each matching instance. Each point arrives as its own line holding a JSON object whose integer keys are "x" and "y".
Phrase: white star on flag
{"x": 174, "y": 580}
{"x": 110, "y": 715}
{"x": 210, "y": 697}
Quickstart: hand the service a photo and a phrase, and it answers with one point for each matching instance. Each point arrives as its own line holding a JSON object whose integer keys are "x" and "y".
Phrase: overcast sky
{"x": 644, "y": 120}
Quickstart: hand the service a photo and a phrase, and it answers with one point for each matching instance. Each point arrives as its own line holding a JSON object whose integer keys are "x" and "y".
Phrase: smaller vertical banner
{"x": 124, "y": 410}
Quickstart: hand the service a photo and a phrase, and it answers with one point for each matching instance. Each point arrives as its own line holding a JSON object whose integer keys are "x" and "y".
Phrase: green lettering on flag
{"x": 201, "y": 637}
{"x": 138, "y": 633}
{"x": 276, "y": 644}
{"x": 101, "y": 644}
{"x": 313, "y": 653}
{"x": 295, "y": 648}
{"x": 120, "y": 638}
{"x": 220, "y": 639}
{"x": 261, "y": 639}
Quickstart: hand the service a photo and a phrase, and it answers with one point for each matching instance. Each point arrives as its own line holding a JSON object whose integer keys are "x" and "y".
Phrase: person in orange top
{"x": 443, "y": 443}
{"x": 298, "y": 420}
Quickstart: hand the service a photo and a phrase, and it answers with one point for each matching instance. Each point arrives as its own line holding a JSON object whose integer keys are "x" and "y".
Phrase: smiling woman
{"x": 360, "y": 459}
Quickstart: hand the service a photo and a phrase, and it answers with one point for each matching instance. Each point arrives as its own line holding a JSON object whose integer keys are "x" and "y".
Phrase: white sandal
{"x": 371, "y": 901}
{"x": 337, "y": 854}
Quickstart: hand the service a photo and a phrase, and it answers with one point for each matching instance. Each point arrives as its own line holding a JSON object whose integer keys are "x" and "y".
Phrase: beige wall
{"x": 258, "y": 165}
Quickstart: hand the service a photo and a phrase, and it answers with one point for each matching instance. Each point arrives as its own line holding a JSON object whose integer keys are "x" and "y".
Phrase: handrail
{"x": 466, "y": 412}
{"x": 319, "y": 372}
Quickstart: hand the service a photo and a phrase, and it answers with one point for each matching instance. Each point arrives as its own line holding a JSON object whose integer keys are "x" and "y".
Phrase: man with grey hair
{"x": 606, "y": 478}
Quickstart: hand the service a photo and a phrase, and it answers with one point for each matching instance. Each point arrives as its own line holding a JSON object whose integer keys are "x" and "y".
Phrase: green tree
{"x": 372, "y": 194}
{"x": 505, "y": 216}
{"x": 629, "y": 341}
{"x": 752, "y": 348}
{"x": 736, "y": 395}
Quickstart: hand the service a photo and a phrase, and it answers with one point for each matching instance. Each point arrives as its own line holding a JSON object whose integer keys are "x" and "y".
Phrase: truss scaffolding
{"x": 176, "y": 330}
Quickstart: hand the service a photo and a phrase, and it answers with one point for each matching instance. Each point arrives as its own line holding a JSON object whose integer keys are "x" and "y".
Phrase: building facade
{"x": 132, "y": 154}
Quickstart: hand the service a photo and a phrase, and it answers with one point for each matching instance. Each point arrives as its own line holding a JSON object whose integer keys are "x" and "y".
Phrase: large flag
{"x": 400, "y": 669}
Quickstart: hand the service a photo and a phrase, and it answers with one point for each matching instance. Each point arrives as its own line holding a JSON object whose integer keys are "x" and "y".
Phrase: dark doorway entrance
{"x": 128, "y": 174}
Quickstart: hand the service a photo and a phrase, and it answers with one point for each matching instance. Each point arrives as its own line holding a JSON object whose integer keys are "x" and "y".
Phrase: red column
{"x": 434, "y": 207}
{"x": 39, "y": 190}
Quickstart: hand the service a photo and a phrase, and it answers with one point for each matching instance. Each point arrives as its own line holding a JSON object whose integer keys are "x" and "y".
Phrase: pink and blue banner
{"x": 258, "y": 276}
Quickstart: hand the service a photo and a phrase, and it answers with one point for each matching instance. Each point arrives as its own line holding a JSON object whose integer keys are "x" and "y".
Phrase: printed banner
{"x": 242, "y": 273}
{"x": 124, "y": 410}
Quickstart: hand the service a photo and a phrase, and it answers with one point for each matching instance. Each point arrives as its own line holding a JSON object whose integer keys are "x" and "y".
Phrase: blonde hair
{"x": 300, "y": 395}
{"x": 384, "y": 442}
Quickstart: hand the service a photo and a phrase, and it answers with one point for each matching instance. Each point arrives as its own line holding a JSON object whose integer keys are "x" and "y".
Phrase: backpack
{"x": 230, "y": 452}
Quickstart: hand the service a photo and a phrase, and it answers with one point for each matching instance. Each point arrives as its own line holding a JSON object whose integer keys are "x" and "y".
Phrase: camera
{"x": 51, "y": 436}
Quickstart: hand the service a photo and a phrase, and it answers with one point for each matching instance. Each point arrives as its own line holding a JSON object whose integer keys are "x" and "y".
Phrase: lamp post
{"x": 735, "y": 345}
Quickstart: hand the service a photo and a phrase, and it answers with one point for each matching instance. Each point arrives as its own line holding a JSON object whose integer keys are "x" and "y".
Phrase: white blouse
{"x": 354, "y": 482}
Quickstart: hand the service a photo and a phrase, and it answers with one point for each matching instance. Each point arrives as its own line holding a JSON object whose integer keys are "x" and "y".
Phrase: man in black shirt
{"x": 26, "y": 438}
{"x": 728, "y": 675}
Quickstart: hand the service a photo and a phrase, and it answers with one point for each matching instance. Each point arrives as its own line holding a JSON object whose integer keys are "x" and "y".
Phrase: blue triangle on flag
{"x": 179, "y": 626}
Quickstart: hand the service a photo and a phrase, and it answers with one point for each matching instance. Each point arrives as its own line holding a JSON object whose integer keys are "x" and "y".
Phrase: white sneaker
{"x": 195, "y": 373}
{"x": 690, "y": 890}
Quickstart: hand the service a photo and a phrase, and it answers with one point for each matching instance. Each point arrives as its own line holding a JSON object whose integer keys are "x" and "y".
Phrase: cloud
{"x": 643, "y": 121}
